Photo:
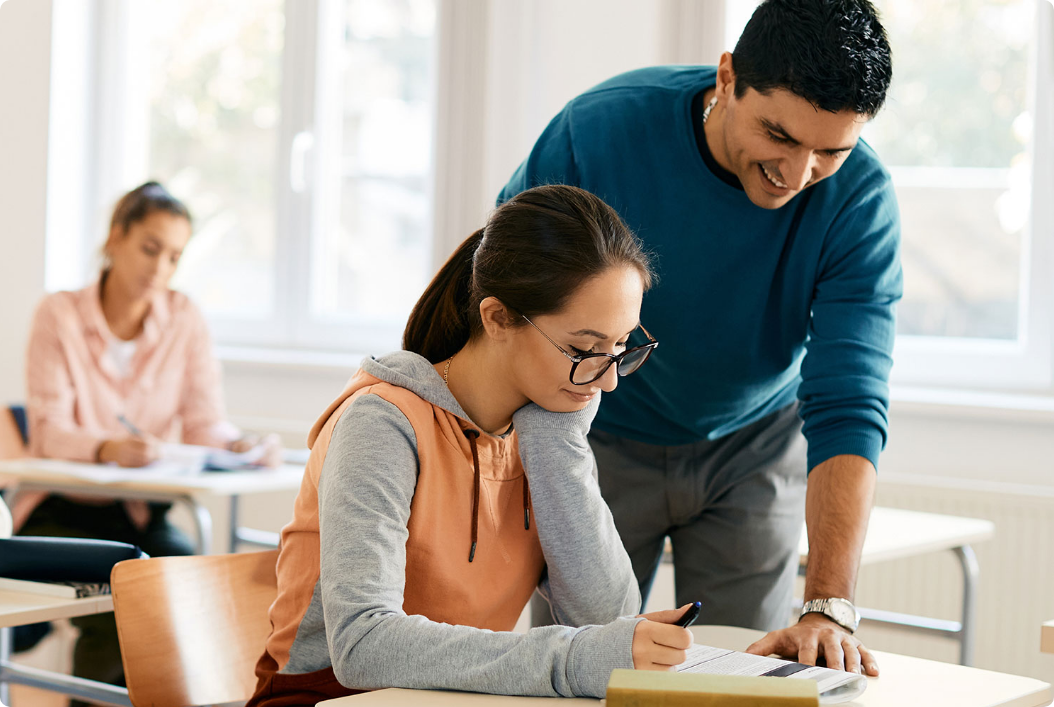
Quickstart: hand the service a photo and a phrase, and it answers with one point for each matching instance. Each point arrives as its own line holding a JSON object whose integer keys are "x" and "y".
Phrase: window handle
{"x": 303, "y": 141}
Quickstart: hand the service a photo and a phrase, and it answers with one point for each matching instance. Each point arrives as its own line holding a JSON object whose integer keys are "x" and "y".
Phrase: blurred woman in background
{"x": 113, "y": 370}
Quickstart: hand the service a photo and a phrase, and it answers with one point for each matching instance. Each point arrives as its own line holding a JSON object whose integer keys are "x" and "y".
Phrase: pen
{"x": 689, "y": 616}
{"x": 129, "y": 426}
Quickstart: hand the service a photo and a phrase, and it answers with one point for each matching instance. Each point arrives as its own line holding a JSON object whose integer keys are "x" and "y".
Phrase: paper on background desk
{"x": 176, "y": 460}
{"x": 834, "y": 685}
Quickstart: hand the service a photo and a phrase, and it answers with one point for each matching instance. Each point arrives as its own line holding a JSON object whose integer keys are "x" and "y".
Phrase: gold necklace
{"x": 446, "y": 371}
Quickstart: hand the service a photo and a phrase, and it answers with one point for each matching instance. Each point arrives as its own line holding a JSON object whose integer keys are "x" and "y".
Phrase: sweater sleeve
{"x": 589, "y": 578}
{"x": 551, "y": 160}
{"x": 844, "y": 391}
{"x": 365, "y": 489}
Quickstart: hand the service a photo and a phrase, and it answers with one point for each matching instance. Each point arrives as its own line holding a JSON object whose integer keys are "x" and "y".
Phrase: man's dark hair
{"x": 832, "y": 53}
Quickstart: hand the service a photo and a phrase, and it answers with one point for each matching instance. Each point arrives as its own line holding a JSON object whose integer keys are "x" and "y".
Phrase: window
{"x": 299, "y": 133}
{"x": 958, "y": 135}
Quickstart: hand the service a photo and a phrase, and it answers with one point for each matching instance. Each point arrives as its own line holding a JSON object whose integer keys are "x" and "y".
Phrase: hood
{"x": 404, "y": 369}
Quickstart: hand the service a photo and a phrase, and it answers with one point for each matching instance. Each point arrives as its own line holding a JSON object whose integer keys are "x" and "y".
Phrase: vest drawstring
{"x": 472, "y": 435}
{"x": 526, "y": 504}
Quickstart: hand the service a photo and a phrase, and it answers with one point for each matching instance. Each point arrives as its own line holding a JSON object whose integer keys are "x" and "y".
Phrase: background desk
{"x": 904, "y": 682}
{"x": 187, "y": 489}
{"x": 894, "y": 534}
{"x": 19, "y": 608}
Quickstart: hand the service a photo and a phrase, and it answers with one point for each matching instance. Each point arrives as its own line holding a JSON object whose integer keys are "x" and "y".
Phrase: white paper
{"x": 191, "y": 459}
{"x": 834, "y": 685}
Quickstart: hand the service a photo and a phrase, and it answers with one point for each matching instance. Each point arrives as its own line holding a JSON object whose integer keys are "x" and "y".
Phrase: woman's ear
{"x": 496, "y": 318}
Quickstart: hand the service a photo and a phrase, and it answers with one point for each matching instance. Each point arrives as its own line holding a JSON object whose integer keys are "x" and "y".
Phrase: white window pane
{"x": 215, "y": 74}
{"x": 373, "y": 260}
{"x": 956, "y": 134}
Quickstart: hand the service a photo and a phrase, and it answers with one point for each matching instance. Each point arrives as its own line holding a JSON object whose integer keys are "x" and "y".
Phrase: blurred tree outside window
{"x": 956, "y": 135}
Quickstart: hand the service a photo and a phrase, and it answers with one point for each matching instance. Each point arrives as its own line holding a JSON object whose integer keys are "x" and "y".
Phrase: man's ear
{"x": 497, "y": 320}
{"x": 726, "y": 77}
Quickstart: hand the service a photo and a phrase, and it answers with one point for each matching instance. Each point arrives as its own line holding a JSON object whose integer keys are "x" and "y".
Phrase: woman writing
{"x": 449, "y": 481}
{"x": 126, "y": 353}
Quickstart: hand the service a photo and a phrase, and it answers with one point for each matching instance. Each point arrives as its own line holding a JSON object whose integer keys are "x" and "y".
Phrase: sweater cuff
{"x": 533, "y": 417}
{"x": 596, "y": 651}
{"x": 862, "y": 442}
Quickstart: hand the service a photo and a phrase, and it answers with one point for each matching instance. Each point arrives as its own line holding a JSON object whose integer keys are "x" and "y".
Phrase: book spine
{"x": 676, "y": 698}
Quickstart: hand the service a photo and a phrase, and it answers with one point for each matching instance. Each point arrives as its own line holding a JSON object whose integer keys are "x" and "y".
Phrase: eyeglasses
{"x": 586, "y": 368}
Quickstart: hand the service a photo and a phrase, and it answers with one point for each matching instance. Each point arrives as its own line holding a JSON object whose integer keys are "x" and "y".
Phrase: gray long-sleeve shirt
{"x": 365, "y": 492}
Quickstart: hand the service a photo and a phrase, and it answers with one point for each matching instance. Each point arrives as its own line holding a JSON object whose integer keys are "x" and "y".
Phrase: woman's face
{"x": 144, "y": 257}
{"x": 598, "y": 318}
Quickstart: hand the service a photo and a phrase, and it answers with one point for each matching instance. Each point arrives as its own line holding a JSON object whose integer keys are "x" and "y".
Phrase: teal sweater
{"x": 753, "y": 307}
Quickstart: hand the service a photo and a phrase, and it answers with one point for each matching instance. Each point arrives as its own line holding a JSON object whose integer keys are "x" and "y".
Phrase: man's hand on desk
{"x": 816, "y": 635}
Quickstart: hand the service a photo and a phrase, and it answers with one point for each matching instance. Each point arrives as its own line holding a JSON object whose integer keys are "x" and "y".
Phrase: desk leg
{"x": 202, "y": 523}
{"x": 7, "y": 637}
{"x": 233, "y": 527}
{"x": 971, "y": 573}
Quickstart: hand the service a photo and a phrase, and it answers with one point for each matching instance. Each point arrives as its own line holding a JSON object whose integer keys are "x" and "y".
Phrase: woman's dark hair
{"x": 832, "y": 53}
{"x": 142, "y": 201}
{"x": 535, "y": 251}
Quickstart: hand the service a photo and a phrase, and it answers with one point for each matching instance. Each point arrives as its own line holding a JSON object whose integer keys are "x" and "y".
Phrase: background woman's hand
{"x": 657, "y": 643}
{"x": 129, "y": 451}
{"x": 272, "y": 455}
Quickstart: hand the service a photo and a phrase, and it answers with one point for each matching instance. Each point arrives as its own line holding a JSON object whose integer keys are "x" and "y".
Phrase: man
{"x": 776, "y": 237}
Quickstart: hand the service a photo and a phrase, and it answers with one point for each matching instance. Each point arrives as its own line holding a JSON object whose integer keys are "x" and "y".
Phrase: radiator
{"x": 1016, "y": 592}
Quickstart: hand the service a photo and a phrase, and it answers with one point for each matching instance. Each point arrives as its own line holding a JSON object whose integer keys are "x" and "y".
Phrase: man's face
{"x": 778, "y": 143}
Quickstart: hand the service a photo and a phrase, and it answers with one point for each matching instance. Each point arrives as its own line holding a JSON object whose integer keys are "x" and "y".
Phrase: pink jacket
{"x": 75, "y": 393}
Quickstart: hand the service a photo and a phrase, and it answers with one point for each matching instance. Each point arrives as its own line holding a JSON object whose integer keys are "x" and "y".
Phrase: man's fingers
{"x": 831, "y": 643}
{"x": 770, "y": 643}
{"x": 807, "y": 652}
{"x": 869, "y": 662}
{"x": 852, "y": 655}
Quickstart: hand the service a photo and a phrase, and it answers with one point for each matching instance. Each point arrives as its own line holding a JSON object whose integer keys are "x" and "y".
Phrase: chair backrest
{"x": 12, "y": 441}
{"x": 5, "y": 520}
{"x": 192, "y": 628}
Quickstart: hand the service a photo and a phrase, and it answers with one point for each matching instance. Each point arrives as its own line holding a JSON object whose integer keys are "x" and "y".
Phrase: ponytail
{"x": 439, "y": 325}
{"x": 540, "y": 246}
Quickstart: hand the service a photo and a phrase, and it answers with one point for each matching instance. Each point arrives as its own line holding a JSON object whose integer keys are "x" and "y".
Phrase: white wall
{"x": 25, "y": 45}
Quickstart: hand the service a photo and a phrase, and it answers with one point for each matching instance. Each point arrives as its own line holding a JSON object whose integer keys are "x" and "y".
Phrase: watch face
{"x": 843, "y": 613}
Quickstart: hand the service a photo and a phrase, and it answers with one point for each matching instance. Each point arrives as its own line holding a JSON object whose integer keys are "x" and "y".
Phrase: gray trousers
{"x": 733, "y": 509}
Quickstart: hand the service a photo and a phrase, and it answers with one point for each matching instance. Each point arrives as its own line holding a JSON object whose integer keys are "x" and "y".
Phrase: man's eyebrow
{"x": 782, "y": 132}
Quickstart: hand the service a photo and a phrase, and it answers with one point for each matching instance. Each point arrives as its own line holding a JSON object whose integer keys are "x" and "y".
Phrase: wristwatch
{"x": 839, "y": 610}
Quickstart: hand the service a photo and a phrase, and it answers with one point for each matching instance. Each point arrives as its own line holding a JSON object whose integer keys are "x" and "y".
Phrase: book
{"x": 645, "y": 688}
{"x": 64, "y": 590}
{"x": 834, "y": 686}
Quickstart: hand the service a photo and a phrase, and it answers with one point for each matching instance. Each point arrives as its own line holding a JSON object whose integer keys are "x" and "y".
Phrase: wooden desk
{"x": 894, "y": 534}
{"x": 904, "y": 682}
{"x": 1046, "y": 637}
{"x": 19, "y": 608}
{"x": 58, "y": 476}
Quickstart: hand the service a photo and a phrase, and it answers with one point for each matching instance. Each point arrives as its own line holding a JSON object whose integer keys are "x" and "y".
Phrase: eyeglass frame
{"x": 615, "y": 359}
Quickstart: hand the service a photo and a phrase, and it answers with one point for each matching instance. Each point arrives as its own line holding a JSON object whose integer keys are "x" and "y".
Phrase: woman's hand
{"x": 658, "y": 644}
{"x": 272, "y": 455}
{"x": 129, "y": 451}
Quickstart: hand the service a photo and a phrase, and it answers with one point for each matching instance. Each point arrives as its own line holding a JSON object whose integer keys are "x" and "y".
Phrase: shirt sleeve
{"x": 551, "y": 161}
{"x": 201, "y": 408}
{"x": 365, "y": 489}
{"x": 50, "y": 393}
{"x": 845, "y": 391}
{"x": 588, "y": 575}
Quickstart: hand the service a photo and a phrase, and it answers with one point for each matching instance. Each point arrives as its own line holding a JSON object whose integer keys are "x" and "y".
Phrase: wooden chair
{"x": 192, "y": 628}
